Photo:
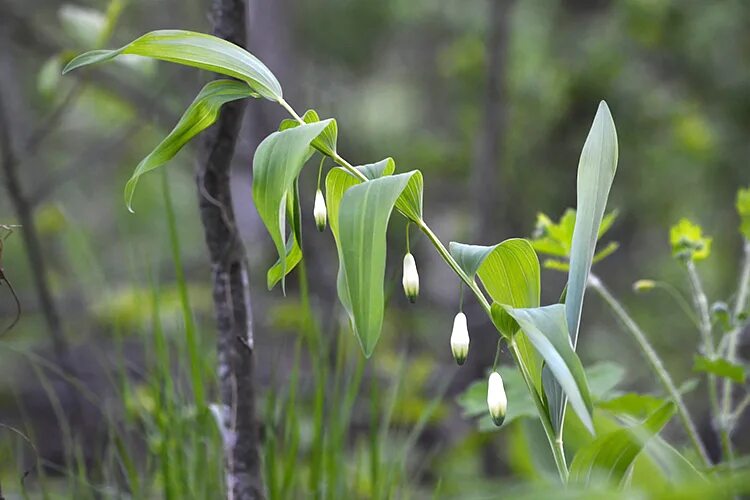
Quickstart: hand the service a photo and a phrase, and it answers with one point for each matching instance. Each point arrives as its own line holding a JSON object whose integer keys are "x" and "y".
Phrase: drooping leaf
{"x": 326, "y": 141}
{"x": 688, "y": 242}
{"x": 194, "y": 49}
{"x": 338, "y": 181}
{"x": 596, "y": 171}
{"x": 546, "y": 329}
{"x": 200, "y": 115}
{"x": 276, "y": 164}
{"x": 362, "y": 222}
{"x": 610, "y": 456}
{"x": 721, "y": 368}
{"x": 293, "y": 247}
{"x": 410, "y": 201}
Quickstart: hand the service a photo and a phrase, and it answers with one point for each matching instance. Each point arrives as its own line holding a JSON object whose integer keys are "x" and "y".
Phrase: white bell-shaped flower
{"x": 319, "y": 211}
{"x": 496, "y": 399}
{"x": 460, "y": 338}
{"x": 411, "y": 278}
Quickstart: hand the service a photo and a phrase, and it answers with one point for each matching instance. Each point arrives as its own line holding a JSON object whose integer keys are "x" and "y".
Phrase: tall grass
{"x": 327, "y": 421}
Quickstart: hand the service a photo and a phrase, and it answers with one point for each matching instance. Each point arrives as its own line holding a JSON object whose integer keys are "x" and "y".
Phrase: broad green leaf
{"x": 362, "y": 223}
{"x": 194, "y": 49}
{"x": 326, "y": 141}
{"x": 721, "y": 368}
{"x": 510, "y": 273}
{"x": 338, "y": 181}
{"x": 688, "y": 242}
{"x": 596, "y": 171}
{"x": 276, "y": 165}
{"x": 610, "y": 456}
{"x": 200, "y": 115}
{"x": 546, "y": 329}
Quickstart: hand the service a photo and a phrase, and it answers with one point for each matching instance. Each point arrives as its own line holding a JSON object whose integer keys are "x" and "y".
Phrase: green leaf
{"x": 326, "y": 141}
{"x": 410, "y": 201}
{"x": 688, "y": 242}
{"x": 510, "y": 273}
{"x": 197, "y": 50}
{"x": 546, "y": 329}
{"x": 721, "y": 368}
{"x": 293, "y": 248}
{"x": 469, "y": 257}
{"x": 596, "y": 171}
{"x": 200, "y": 115}
{"x": 610, "y": 456}
{"x": 276, "y": 165}
{"x": 743, "y": 209}
{"x": 338, "y": 181}
{"x": 632, "y": 404}
{"x": 362, "y": 223}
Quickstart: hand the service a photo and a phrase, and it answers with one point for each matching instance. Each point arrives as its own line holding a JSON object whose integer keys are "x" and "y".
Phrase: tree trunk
{"x": 231, "y": 293}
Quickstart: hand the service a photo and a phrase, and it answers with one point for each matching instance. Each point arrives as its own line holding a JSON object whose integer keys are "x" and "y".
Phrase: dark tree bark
{"x": 230, "y": 281}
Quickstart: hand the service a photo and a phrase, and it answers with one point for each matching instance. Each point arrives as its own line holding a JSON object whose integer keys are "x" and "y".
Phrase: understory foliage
{"x": 505, "y": 279}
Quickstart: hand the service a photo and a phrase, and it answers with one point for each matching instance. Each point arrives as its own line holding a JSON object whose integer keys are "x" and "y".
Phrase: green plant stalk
{"x": 733, "y": 338}
{"x": 656, "y": 364}
{"x": 701, "y": 304}
{"x": 556, "y": 445}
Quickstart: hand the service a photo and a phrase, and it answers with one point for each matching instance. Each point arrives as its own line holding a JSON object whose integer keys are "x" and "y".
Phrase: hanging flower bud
{"x": 460, "y": 339}
{"x": 319, "y": 211}
{"x": 496, "y": 400}
{"x": 411, "y": 278}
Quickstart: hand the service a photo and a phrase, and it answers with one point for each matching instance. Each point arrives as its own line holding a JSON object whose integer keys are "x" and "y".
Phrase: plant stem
{"x": 556, "y": 445}
{"x": 733, "y": 338}
{"x": 701, "y": 303}
{"x": 656, "y": 364}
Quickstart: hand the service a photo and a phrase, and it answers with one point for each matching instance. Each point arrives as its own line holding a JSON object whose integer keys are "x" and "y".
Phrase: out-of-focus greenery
{"x": 405, "y": 78}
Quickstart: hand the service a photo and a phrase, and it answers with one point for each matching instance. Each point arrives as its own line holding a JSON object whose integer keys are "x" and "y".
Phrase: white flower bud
{"x": 319, "y": 211}
{"x": 460, "y": 338}
{"x": 496, "y": 399}
{"x": 411, "y": 278}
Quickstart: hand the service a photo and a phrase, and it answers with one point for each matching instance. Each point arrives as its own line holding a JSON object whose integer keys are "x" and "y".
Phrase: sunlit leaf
{"x": 194, "y": 49}
{"x": 721, "y": 368}
{"x": 688, "y": 242}
{"x": 546, "y": 329}
{"x": 362, "y": 223}
{"x": 610, "y": 456}
{"x": 200, "y": 115}
{"x": 276, "y": 164}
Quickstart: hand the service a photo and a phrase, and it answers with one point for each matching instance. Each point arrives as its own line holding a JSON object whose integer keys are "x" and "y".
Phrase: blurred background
{"x": 491, "y": 100}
